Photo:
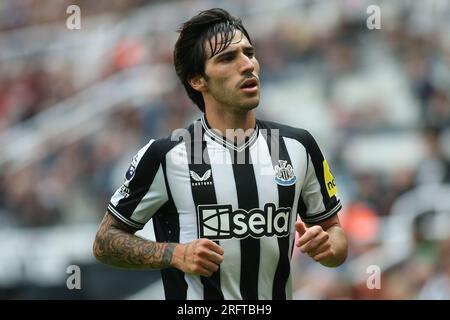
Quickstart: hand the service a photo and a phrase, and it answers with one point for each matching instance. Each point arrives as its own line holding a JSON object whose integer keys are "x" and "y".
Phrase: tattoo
{"x": 118, "y": 246}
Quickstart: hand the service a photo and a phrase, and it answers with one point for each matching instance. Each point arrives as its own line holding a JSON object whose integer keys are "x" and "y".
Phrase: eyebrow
{"x": 232, "y": 52}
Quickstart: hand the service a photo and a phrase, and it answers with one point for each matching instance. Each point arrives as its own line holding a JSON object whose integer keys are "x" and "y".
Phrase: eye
{"x": 250, "y": 53}
{"x": 226, "y": 58}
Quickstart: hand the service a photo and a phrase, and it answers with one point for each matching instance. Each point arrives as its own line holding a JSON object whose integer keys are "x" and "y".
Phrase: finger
{"x": 214, "y": 257}
{"x": 326, "y": 254}
{"x": 322, "y": 248}
{"x": 316, "y": 242}
{"x": 204, "y": 252}
{"x": 214, "y": 246}
{"x": 310, "y": 234}
{"x": 300, "y": 227}
{"x": 208, "y": 265}
{"x": 201, "y": 271}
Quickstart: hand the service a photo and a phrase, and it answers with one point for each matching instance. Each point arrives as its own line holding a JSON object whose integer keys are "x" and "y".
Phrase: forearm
{"x": 339, "y": 247}
{"x": 125, "y": 250}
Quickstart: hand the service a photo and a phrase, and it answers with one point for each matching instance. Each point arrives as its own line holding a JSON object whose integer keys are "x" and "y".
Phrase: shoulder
{"x": 301, "y": 135}
{"x": 158, "y": 148}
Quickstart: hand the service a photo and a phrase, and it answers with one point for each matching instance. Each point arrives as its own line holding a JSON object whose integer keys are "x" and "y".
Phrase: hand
{"x": 199, "y": 257}
{"x": 314, "y": 241}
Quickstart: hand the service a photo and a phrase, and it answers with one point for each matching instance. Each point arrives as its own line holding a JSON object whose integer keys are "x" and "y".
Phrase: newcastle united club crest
{"x": 284, "y": 174}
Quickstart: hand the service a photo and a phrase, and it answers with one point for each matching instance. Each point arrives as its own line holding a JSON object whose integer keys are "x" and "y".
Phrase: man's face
{"x": 232, "y": 76}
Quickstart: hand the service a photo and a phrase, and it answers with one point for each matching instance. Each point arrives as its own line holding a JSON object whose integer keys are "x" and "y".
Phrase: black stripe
{"x": 203, "y": 193}
{"x": 286, "y": 196}
{"x": 301, "y": 207}
{"x": 317, "y": 159}
{"x": 166, "y": 223}
{"x": 247, "y": 194}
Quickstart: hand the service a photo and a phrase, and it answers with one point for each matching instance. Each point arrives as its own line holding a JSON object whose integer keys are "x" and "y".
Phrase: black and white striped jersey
{"x": 196, "y": 184}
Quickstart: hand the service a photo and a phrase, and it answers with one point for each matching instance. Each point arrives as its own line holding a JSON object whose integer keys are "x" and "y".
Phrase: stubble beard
{"x": 237, "y": 102}
{"x": 232, "y": 99}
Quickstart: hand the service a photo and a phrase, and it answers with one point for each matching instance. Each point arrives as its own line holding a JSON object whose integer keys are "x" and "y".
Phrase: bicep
{"x": 108, "y": 229}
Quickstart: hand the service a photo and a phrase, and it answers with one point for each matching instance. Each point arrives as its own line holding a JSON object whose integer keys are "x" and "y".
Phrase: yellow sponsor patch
{"x": 329, "y": 179}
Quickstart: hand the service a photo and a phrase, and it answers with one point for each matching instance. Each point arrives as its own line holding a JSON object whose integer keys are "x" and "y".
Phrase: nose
{"x": 246, "y": 64}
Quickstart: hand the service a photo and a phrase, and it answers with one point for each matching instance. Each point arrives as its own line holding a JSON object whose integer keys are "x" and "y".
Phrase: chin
{"x": 249, "y": 105}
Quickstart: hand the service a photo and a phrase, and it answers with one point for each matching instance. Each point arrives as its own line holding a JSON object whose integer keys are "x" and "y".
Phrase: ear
{"x": 198, "y": 83}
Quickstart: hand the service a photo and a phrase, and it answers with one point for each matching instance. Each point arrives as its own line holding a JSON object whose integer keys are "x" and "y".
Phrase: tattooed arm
{"x": 116, "y": 244}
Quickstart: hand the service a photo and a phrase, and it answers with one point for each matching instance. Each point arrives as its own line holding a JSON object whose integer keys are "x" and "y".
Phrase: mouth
{"x": 250, "y": 85}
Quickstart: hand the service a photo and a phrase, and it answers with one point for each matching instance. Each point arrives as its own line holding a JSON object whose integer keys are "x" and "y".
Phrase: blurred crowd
{"x": 73, "y": 182}
{"x": 23, "y": 13}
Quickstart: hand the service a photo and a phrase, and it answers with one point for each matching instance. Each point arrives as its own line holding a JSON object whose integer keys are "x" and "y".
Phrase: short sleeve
{"x": 143, "y": 191}
{"x": 319, "y": 199}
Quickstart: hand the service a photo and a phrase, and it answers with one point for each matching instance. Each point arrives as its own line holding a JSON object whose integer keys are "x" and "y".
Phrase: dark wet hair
{"x": 190, "y": 50}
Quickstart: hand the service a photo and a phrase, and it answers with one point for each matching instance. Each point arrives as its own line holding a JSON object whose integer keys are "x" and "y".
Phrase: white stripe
{"x": 155, "y": 197}
{"x": 222, "y": 170}
{"x": 267, "y": 193}
{"x": 178, "y": 178}
{"x": 123, "y": 219}
{"x": 311, "y": 193}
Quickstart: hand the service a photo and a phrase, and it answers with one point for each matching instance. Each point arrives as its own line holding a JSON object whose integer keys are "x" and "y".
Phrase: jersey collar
{"x": 215, "y": 136}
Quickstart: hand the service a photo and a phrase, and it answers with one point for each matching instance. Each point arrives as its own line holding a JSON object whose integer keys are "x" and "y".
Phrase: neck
{"x": 220, "y": 120}
{"x": 226, "y": 121}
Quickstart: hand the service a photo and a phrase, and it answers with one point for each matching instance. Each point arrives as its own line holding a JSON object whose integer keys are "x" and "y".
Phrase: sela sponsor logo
{"x": 329, "y": 179}
{"x": 218, "y": 222}
{"x": 284, "y": 173}
{"x": 201, "y": 181}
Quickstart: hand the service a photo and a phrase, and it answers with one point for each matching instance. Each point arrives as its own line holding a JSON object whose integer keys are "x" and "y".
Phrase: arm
{"x": 117, "y": 245}
{"x": 325, "y": 242}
